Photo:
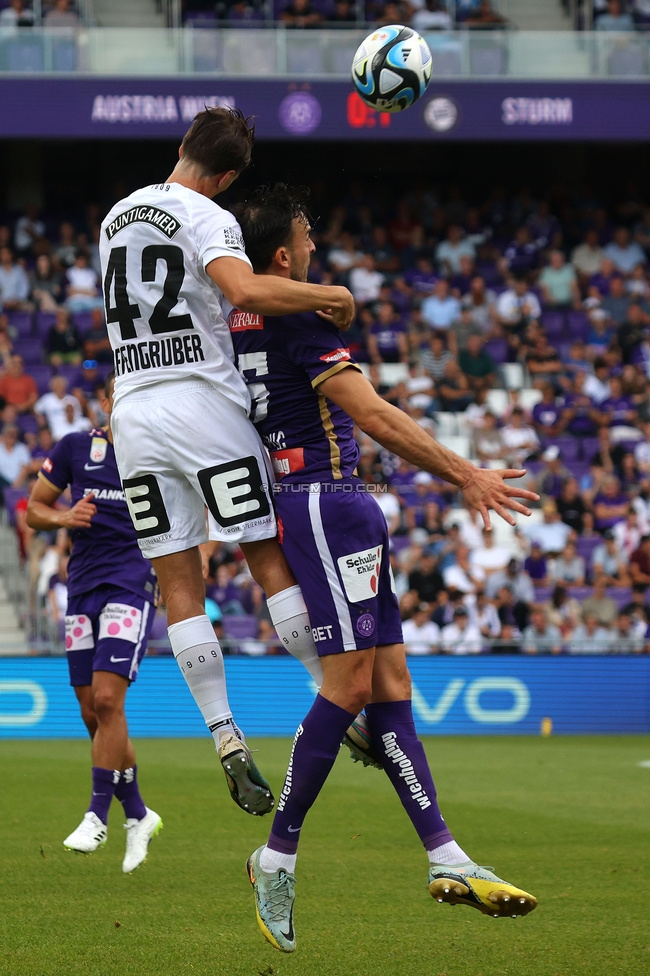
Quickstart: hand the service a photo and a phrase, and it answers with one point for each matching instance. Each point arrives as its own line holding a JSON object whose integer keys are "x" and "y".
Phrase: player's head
{"x": 276, "y": 226}
{"x": 107, "y": 399}
{"x": 219, "y": 141}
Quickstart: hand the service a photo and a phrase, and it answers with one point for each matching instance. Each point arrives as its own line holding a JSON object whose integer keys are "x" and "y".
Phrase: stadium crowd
{"x": 516, "y": 331}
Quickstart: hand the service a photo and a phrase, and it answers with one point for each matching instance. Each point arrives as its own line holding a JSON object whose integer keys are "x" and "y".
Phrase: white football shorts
{"x": 180, "y": 447}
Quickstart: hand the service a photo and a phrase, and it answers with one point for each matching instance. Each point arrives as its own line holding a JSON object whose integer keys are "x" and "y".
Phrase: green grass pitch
{"x": 564, "y": 817}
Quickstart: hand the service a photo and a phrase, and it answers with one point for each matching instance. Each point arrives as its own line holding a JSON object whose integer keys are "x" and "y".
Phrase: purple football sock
{"x": 315, "y": 748}
{"x": 402, "y": 755}
{"x": 127, "y": 792}
{"x": 104, "y": 783}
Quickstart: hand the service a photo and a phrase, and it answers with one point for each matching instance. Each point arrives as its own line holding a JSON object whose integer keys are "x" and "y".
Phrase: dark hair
{"x": 107, "y": 383}
{"x": 266, "y": 220}
{"x": 219, "y": 139}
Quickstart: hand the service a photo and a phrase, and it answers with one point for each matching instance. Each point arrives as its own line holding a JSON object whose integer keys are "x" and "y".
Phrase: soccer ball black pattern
{"x": 392, "y": 68}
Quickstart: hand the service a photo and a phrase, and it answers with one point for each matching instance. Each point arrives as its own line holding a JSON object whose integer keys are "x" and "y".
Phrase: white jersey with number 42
{"x": 163, "y": 310}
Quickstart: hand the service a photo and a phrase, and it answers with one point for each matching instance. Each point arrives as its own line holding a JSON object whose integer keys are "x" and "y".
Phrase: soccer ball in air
{"x": 392, "y": 68}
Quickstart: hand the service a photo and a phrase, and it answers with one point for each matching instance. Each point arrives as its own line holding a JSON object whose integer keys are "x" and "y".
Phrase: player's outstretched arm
{"x": 276, "y": 295}
{"x": 396, "y": 431}
{"x": 43, "y": 515}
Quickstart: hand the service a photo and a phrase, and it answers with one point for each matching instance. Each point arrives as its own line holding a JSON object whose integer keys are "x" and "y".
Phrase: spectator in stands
{"x": 45, "y": 285}
{"x": 484, "y": 17}
{"x": 632, "y": 333}
{"x": 608, "y": 563}
{"x": 452, "y": 249}
{"x": 454, "y": 391}
{"x": 640, "y": 563}
{"x": 541, "y": 636}
{"x": 66, "y": 249}
{"x": 435, "y": 357}
{"x": 431, "y": 16}
{"x": 516, "y": 307}
{"x": 426, "y": 578}
{"x": 515, "y": 578}
{"x": 559, "y": 283}
{"x": 29, "y": 230}
{"x": 14, "y": 284}
{"x": 608, "y": 457}
{"x": 551, "y": 533}
{"x": 50, "y": 409}
{"x": 625, "y": 253}
{"x": 553, "y": 475}
{"x": 547, "y": 414}
{"x": 461, "y": 636}
{"x": 440, "y": 309}
{"x": 63, "y": 343}
{"x": 616, "y": 19}
{"x": 17, "y": 14}
{"x": 610, "y": 505}
{"x": 571, "y": 505}
{"x": 82, "y": 286}
{"x": 459, "y": 332}
{"x": 568, "y": 567}
{"x": 421, "y": 635}
{"x": 520, "y": 440}
{"x": 628, "y": 536}
{"x": 96, "y": 344}
{"x": 6, "y": 341}
{"x": 596, "y": 381}
{"x": 344, "y": 254}
{"x": 543, "y": 362}
{"x": 386, "y": 338}
{"x": 489, "y": 558}
{"x": 60, "y": 15}
{"x": 580, "y": 415}
{"x": 619, "y": 414}
{"x": 587, "y": 257}
{"x": 480, "y": 302}
{"x": 521, "y": 256}
{"x": 590, "y": 637}
{"x": 628, "y": 635}
{"x": 600, "y": 284}
{"x": 599, "y": 604}
{"x": 488, "y": 442}
{"x": 562, "y": 610}
{"x": 476, "y": 364}
{"x": 342, "y": 13}
{"x": 463, "y": 575}
{"x": 17, "y": 389}
{"x": 365, "y": 281}
{"x": 14, "y": 459}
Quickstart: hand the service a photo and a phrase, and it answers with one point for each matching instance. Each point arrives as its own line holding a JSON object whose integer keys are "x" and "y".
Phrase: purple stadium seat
{"x": 585, "y": 547}
{"x": 543, "y": 593}
{"x": 577, "y": 325}
{"x": 398, "y": 543}
{"x": 69, "y": 372}
{"x": 580, "y": 593}
{"x": 27, "y": 423}
{"x": 498, "y": 349}
{"x": 11, "y": 496}
{"x": 22, "y": 322}
{"x": 44, "y": 322}
{"x": 42, "y": 374}
{"x": 588, "y": 447}
{"x": 83, "y": 321}
{"x": 489, "y": 272}
{"x": 31, "y": 350}
{"x": 621, "y": 595}
{"x": 553, "y": 322}
{"x": 240, "y": 627}
{"x": 569, "y": 448}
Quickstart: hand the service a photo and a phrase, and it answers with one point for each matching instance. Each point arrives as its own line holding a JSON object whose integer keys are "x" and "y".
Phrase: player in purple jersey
{"x": 111, "y": 594}
{"x": 307, "y": 392}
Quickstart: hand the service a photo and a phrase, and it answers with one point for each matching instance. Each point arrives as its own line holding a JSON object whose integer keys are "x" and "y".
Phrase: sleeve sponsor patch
{"x": 47, "y": 465}
{"x": 233, "y": 237}
{"x": 245, "y": 321}
{"x": 336, "y": 356}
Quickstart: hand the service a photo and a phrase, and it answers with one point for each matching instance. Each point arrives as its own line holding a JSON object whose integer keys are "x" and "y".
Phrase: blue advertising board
{"x": 270, "y": 696}
{"x": 153, "y": 108}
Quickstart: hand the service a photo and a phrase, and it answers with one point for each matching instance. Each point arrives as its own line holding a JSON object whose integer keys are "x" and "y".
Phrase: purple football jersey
{"x": 283, "y": 361}
{"x": 107, "y": 552}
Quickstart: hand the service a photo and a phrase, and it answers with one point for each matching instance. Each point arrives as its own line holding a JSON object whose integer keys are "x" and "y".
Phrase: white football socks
{"x": 291, "y": 621}
{"x": 449, "y": 853}
{"x": 271, "y": 861}
{"x": 198, "y": 655}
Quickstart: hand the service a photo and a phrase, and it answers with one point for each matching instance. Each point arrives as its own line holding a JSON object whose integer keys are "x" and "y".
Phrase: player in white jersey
{"x": 170, "y": 256}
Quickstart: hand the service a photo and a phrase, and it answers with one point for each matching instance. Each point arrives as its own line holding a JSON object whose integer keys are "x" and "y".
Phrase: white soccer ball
{"x": 392, "y": 68}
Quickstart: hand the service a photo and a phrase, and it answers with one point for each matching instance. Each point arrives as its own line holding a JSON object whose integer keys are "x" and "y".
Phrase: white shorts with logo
{"x": 180, "y": 447}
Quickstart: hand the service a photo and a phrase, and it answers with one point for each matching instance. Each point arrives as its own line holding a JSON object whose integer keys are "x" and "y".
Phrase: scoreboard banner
{"x": 504, "y": 695}
{"x": 115, "y": 107}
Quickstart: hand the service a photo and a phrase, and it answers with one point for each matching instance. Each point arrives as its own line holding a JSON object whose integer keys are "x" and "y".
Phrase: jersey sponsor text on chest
{"x": 155, "y": 353}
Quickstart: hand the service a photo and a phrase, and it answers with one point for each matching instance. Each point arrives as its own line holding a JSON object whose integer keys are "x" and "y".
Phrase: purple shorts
{"x": 106, "y": 630}
{"x": 335, "y": 539}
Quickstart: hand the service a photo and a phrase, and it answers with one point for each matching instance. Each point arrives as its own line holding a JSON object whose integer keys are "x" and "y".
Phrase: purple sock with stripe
{"x": 104, "y": 783}
{"x": 127, "y": 792}
{"x": 315, "y": 748}
{"x": 402, "y": 756}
